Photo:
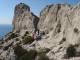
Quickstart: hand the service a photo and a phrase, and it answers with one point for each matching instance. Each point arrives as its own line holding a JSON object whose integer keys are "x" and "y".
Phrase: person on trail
{"x": 35, "y": 34}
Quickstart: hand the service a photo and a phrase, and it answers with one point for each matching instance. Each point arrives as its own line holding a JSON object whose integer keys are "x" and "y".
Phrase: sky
{"x": 7, "y": 7}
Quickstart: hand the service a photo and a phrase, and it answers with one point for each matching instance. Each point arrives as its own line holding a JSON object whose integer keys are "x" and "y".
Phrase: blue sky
{"x": 7, "y": 7}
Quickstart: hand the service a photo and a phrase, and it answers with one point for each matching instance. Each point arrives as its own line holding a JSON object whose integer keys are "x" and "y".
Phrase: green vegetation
{"x": 42, "y": 56}
{"x": 27, "y": 39}
{"x": 70, "y": 52}
{"x": 1, "y": 59}
{"x": 29, "y": 56}
{"x": 26, "y": 33}
{"x": 1, "y": 46}
{"x": 19, "y": 51}
{"x": 23, "y": 54}
{"x": 32, "y": 54}
{"x": 17, "y": 39}
{"x": 76, "y": 30}
{"x": 12, "y": 35}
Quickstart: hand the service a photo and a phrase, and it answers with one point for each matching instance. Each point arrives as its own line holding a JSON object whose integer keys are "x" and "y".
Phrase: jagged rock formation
{"x": 24, "y": 19}
{"x": 61, "y": 25}
{"x": 60, "y": 41}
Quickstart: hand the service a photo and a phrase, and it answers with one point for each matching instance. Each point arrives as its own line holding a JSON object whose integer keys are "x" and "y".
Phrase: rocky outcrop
{"x": 24, "y": 19}
{"x": 51, "y": 16}
{"x": 59, "y": 29}
{"x": 61, "y": 25}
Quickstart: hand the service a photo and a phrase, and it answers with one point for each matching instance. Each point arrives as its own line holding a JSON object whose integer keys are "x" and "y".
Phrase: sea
{"x": 4, "y": 29}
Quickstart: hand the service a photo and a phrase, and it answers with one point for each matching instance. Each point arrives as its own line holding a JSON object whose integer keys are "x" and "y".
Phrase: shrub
{"x": 70, "y": 52}
{"x": 26, "y": 33}
{"x": 19, "y": 51}
{"x": 1, "y": 59}
{"x": 29, "y": 56}
{"x": 1, "y": 46}
{"x": 24, "y": 57}
{"x": 17, "y": 39}
{"x": 42, "y": 56}
{"x": 13, "y": 35}
{"x": 27, "y": 39}
{"x": 76, "y": 30}
{"x": 23, "y": 54}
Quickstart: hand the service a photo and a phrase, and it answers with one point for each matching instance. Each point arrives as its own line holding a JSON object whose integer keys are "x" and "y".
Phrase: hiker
{"x": 37, "y": 35}
{"x": 33, "y": 35}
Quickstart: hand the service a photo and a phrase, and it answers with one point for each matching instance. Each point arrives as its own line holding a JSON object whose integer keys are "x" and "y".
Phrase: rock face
{"x": 61, "y": 25}
{"x": 62, "y": 21}
{"x": 52, "y": 15}
{"x": 24, "y": 19}
{"x": 60, "y": 40}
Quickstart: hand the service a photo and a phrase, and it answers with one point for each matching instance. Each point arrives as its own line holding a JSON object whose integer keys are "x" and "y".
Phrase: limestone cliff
{"x": 61, "y": 25}
{"x": 24, "y": 19}
{"x": 59, "y": 29}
